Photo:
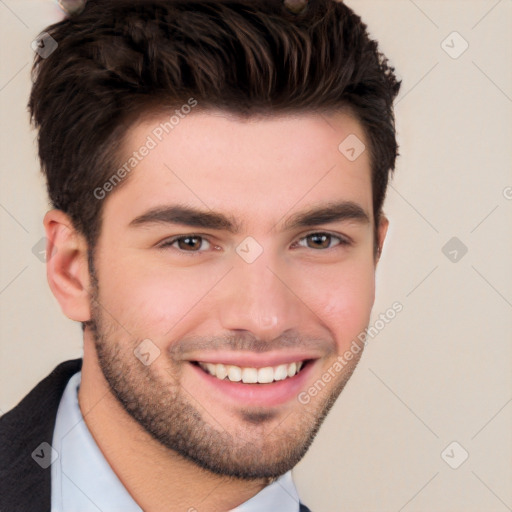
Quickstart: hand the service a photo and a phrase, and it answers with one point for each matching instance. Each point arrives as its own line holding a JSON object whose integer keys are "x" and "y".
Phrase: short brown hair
{"x": 120, "y": 59}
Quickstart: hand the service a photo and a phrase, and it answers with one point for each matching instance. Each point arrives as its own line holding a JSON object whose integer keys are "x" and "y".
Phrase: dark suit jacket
{"x": 24, "y": 485}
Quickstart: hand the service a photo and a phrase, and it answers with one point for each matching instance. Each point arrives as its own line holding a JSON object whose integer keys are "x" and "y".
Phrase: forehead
{"x": 213, "y": 159}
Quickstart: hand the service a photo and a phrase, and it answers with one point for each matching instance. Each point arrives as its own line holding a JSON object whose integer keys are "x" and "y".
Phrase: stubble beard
{"x": 260, "y": 446}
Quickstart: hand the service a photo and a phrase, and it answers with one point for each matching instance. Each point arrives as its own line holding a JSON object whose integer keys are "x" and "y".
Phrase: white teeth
{"x": 281, "y": 372}
{"x": 249, "y": 375}
{"x": 234, "y": 373}
{"x": 221, "y": 371}
{"x": 264, "y": 375}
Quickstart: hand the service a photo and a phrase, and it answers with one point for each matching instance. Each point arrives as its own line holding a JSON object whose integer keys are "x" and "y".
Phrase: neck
{"x": 157, "y": 478}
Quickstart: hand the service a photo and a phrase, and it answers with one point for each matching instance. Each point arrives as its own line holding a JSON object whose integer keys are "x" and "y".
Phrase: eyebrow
{"x": 333, "y": 212}
{"x": 186, "y": 215}
{"x": 198, "y": 218}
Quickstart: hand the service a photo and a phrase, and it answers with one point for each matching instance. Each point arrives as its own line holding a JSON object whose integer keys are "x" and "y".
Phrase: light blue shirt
{"x": 83, "y": 481}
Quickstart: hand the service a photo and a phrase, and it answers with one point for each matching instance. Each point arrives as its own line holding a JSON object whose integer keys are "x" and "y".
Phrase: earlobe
{"x": 67, "y": 266}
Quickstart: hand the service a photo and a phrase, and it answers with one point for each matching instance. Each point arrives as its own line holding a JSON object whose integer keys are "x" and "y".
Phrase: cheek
{"x": 149, "y": 300}
{"x": 344, "y": 300}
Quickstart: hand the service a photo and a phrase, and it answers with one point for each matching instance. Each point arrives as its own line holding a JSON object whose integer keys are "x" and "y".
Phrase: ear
{"x": 66, "y": 266}
{"x": 382, "y": 229}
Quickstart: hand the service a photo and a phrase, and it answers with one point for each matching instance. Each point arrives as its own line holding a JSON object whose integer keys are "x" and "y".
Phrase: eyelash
{"x": 342, "y": 241}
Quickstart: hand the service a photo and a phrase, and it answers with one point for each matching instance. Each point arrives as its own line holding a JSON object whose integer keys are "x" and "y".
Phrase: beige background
{"x": 441, "y": 370}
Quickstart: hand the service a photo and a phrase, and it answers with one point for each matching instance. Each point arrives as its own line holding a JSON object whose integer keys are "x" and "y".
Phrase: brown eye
{"x": 322, "y": 241}
{"x": 319, "y": 241}
{"x": 188, "y": 243}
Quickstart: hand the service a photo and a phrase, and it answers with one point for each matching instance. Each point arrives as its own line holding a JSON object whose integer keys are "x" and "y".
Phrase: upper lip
{"x": 252, "y": 359}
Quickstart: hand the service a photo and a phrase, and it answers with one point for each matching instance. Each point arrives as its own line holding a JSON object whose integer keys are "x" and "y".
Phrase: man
{"x": 217, "y": 171}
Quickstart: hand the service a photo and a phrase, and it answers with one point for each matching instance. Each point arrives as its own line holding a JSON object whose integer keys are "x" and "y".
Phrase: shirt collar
{"x": 82, "y": 478}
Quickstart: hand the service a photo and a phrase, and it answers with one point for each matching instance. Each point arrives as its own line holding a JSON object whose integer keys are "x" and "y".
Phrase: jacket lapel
{"x": 25, "y": 485}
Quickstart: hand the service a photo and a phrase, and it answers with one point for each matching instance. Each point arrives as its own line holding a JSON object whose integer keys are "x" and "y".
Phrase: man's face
{"x": 264, "y": 286}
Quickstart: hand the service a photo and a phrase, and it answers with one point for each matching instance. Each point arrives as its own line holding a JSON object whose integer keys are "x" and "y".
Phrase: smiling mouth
{"x": 251, "y": 375}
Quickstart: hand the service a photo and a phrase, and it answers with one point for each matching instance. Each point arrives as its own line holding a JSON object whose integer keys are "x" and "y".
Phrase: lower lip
{"x": 264, "y": 395}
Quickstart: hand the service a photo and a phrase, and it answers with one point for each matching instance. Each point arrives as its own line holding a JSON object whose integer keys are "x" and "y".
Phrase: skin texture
{"x": 174, "y": 441}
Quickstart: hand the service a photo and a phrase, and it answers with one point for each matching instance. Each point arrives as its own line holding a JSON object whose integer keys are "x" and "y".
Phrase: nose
{"x": 258, "y": 297}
